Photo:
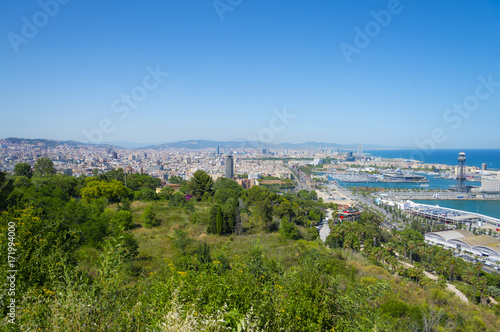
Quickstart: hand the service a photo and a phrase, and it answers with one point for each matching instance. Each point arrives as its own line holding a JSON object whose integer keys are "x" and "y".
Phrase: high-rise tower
{"x": 360, "y": 150}
{"x": 461, "y": 176}
{"x": 229, "y": 166}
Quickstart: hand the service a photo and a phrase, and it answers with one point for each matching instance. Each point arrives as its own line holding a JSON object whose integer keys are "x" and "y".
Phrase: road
{"x": 388, "y": 217}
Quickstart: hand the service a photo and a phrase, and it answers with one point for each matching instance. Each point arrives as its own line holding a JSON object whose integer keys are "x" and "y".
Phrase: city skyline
{"x": 392, "y": 73}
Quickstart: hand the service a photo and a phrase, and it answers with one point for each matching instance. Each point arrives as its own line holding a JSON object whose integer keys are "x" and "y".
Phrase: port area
{"x": 434, "y": 194}
{"x": 387, "y": 177}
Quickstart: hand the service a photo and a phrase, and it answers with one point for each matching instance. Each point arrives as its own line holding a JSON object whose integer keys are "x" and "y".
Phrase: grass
{"x": 155, "y": 244}
{"x": 156, "y": 249}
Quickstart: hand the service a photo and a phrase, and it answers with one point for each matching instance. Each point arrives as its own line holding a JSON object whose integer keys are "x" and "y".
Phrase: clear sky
{"x": 347, "y": 71}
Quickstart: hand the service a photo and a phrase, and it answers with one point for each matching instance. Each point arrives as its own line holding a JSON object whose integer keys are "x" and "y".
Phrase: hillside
{"x": 227, "y": 258}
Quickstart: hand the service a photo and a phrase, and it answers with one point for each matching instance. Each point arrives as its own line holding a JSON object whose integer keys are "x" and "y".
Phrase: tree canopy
{"x": 23, "y": 169}
{"x": 44, "y": 166}
{"x": 201, "y": 184}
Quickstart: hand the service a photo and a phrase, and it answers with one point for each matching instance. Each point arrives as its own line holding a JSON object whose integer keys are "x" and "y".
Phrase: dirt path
{"x": 449, "y": 286}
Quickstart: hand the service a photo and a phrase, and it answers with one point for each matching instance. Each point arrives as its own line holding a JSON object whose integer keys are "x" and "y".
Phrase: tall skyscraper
{"x": 217, "y": 153}
{"x": 360, "y": 150}
{"x": 229, "y": 166}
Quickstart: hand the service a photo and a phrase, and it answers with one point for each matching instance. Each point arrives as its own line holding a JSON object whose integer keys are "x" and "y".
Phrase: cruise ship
{"x": 400, "y": 176}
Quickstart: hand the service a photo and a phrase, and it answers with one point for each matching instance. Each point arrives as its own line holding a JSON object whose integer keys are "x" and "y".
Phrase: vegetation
{"x": 94, "y": 255}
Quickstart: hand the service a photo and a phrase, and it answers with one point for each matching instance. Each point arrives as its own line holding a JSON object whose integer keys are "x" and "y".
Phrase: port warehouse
{"x": 460, "y": 239}
{"x": 463, "y": 240}
{"x": 441, "y": 214}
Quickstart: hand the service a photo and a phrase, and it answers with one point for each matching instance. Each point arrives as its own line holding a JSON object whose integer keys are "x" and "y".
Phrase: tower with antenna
{"x": 461, "y": 176}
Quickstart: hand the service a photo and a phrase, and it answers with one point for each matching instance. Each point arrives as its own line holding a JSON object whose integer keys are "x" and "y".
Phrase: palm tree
{"x": 421, "y": 252}
{"x": 452, "y": 262}
{"x": 411, "y": 246}
{"x": 482, "y": 285}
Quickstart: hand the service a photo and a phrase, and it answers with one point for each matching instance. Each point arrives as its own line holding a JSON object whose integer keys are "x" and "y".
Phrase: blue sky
{"x": 228, "y": 78}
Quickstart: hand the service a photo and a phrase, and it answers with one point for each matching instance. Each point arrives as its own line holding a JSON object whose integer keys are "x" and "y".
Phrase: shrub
{"x": 289, "y": 230}
{"x": 122, "y": 220}
{"x": 146, "y": 194}
{"x": 149, "y": 218}
{"x": 203, "y": 254}
{"x": 494, "y": 291}
{"x": 130, "y": 246}
{"x": 395, "y": 308}
{"x": 181, "y": 240}
{"x": 177, "y": 199}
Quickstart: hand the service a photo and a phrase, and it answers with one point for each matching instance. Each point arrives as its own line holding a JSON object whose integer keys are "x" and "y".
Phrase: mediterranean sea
{"x": 475, "y": 157}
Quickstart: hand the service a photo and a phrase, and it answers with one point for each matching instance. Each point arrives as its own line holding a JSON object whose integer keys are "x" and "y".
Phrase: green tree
{"x": 257, "y": 194}
{"x": 145, "y": 194}
{"x": 225, "y": 189}
{"x": 138, "y": 181}
{"x": 44, "y": 166}
{"x": 117, "y": 174}
{"x": 229, "y": 213}
{"x": 289, "y": 230}
{"x": 6, "y": 189}
{"x": 23, "y": 169}
{"x": 200, "y": 184}
{"x": 175, "y": 179}
{"x": 284, "y": 209}
{"x": 219, "y": 220}
{"x": 112, "y": 190}
{"x": 212, "y": 220}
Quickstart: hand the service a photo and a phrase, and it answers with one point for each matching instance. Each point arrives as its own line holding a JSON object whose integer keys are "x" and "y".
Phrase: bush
{"x": 181, "y": 240}
{"x": 122, "y": 220}
{"x": 311, "y": 233}
{"x": 494, "y": 291}
{"x": 289, "y": 230}
{"x": 130, "y": 246}
{"x": 177, "y": 199}
{"x": 203, "y": 254}
{"x": 395, "y": 308}
{"x": 149, "y": 218}
{"x": 439, "y": 296}
{"x": 146, "y": 194}
{"x": 198, "y": 218}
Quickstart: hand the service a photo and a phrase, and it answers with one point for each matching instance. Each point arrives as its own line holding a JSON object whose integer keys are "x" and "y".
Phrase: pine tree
{"x": 219, "y": 220}
{"x": 212, "y": 223}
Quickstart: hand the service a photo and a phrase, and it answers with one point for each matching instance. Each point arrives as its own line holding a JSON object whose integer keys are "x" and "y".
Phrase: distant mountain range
{"x": 47, "y": 142}
{"x": 203, "y": 144}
